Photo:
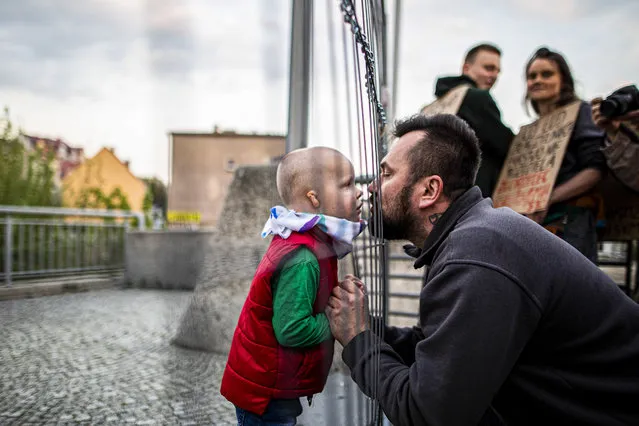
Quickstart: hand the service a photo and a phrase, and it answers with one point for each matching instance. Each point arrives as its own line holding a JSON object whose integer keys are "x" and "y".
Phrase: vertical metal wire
{"x": 77, "y": 231}
{"x": 20, "y": 266}
{"x": 41, "y": 248}
{"x": 32, "y": 246}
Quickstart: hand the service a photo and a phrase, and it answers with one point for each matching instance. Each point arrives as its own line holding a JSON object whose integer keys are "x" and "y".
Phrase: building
{"x": 65, "y": 157}
{"x": 107, "y": 173}
{"x": 201, "y": 167}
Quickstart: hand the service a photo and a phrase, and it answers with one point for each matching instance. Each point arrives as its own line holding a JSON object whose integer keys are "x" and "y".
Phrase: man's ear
{"x": 431, "y": 190}
{"x": 312, "y": 197}
{"x": 465, "y": 68}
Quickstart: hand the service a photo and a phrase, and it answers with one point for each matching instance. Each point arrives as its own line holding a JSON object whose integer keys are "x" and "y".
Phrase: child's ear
{"x": 312, "y": 197}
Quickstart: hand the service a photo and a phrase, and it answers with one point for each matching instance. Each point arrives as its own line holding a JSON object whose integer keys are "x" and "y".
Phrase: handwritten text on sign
{"x": 529, "y": 173}
{"x": 447, "y": 104}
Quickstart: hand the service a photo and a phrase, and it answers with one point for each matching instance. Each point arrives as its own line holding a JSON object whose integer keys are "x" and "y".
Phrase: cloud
{"x": 45, "y": 45}
{"x": 169, "y": 33}
{"x": 123, "y": 73}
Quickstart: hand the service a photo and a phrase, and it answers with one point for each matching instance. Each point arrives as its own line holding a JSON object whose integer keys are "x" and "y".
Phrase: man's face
{"x": 484, "y": 70}
{"x": 396, "y": 192}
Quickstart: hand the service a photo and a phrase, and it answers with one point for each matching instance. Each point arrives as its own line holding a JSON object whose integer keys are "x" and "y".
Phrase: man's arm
{"x": 403, "y": 340}
{"x": 478, "y": 322}
{"x": 294, "y": 293}
{"x": 482, "y": 114}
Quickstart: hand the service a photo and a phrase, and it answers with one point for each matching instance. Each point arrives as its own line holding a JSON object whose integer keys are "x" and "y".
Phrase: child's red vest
{"x": 258, "y": 368}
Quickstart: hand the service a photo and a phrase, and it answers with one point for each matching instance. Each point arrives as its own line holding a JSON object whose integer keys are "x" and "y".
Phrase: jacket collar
{"x": 444, "y": 226}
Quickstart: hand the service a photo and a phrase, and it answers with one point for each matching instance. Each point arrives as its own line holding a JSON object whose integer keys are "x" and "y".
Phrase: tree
{"x": 158, "y": 193}
{"x": 26, "y": 177}
{"x": 95, "y": 198}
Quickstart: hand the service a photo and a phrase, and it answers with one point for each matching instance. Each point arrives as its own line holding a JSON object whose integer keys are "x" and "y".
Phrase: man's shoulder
{"x": 478, "y": 98}
{"x": 484, "y": 230}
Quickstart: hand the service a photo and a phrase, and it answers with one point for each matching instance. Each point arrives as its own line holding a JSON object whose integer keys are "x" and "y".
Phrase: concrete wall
{"x": 183, "y": 259}
{"x": 203, "y": 166}
{"x": 247, "y": 206}
{"x": 219, "y": 269}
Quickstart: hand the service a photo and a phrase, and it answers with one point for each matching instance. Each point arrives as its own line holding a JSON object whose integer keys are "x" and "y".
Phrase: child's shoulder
{"x": 300, "y": 255}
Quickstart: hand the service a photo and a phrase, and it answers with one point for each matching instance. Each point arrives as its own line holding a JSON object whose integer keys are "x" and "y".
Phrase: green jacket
{"x": 294, "y": 293}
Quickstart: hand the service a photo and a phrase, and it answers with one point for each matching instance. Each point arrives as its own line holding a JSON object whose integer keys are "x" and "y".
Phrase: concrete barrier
{"x": 246, "y": 207}
{"x": 182, "y": 260}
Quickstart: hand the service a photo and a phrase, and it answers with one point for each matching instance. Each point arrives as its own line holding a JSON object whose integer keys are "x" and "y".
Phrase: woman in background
{"x": 574, "y": 205}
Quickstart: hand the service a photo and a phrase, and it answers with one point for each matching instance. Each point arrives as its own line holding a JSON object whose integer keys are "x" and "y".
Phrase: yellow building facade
{"x": 104, "y": 172}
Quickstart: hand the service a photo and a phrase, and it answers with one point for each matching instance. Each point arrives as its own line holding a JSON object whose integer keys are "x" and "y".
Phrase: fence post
{"x": 386, "y": 277}
{"x": 8, "y": 251}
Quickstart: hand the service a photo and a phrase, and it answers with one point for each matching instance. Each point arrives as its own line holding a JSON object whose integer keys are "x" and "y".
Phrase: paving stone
{"x": 105, "y": 357}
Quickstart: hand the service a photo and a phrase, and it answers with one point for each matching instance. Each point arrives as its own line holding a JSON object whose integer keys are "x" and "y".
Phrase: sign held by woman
{"x": 530, "y": 170}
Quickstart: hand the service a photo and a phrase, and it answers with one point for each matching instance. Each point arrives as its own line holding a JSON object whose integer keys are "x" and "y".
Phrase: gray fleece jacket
{"x": 516, "y": 325}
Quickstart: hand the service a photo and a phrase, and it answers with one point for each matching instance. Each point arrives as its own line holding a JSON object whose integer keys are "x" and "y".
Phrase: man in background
{"x": 480, "y": 70}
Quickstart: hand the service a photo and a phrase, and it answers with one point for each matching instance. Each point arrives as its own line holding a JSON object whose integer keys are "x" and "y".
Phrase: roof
{"x": 110, "y": 152}
{"x": 227, "y": 134}
{"x": 56, "y": 143}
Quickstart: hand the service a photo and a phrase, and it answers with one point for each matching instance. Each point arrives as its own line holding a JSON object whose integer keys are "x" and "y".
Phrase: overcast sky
{"x": 123, "y": 73}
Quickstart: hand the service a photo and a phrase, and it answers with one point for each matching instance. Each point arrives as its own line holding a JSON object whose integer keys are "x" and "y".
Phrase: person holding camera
{"x": 618, "y": 116}
{"x": 574, "y": 205}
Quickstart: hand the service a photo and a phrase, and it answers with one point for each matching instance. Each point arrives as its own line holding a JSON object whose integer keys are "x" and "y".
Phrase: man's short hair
{"x": 449, "y": 149}
{"x": 474, "y": 51}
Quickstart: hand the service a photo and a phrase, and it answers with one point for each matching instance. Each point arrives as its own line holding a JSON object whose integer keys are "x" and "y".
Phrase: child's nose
{"x": 373, "y": 186}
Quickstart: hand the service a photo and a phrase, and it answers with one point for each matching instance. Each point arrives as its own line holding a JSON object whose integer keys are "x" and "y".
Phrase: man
{"x": 516, "y": 325}
{"x": 480, "y": 70}
{"x": 621, "y": 148}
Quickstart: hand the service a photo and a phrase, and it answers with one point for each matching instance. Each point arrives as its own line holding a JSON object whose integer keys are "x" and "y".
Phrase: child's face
{"x": 339, "y": 196}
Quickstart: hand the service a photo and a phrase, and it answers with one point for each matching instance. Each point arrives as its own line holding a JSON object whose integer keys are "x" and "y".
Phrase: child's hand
{"x": 347, "y": 309}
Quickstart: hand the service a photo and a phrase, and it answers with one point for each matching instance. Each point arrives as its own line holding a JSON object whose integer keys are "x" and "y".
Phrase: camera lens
{"x": 617, "y": 104}
{"x": 609, "y": 108}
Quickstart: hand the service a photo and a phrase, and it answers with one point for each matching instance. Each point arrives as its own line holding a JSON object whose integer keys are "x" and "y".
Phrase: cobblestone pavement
{"x": 104, "y": 357}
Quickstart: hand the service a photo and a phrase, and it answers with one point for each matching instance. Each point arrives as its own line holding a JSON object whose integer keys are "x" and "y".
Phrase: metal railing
{"x": 44, "y": 242}
{"x": 399, "y": 278}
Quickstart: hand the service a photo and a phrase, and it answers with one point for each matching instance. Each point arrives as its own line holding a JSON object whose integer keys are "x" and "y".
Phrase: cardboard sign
{"x": 449, "y": 103}
{"x": 531, "y": 167}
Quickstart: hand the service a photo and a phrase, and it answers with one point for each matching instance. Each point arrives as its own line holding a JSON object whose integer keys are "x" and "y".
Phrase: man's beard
{"x": 397, "y": 223}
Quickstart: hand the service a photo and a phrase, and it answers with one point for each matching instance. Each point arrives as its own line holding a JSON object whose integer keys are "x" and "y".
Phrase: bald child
{"x": 282, "y": 349}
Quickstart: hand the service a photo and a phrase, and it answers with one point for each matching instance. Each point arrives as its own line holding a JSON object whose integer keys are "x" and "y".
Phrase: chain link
{"x": 348, "y": 8}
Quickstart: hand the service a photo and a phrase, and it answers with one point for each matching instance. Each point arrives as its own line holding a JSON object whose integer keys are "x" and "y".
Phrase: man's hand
{"x": 611, "y": 126}
{"x": 347, "y": 309}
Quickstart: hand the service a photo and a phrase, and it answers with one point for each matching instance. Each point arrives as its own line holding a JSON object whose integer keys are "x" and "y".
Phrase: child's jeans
{"x": 279, "y": 412}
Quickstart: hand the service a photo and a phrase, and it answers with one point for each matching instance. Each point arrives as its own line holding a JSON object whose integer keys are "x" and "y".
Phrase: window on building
{"x": 230, "y": 165}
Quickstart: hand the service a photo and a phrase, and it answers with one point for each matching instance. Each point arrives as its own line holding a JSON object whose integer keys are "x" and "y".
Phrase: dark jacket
{"x": 511, "y": 318}
{"x": 480, "y": 111}
{"x": 584, "y": 149}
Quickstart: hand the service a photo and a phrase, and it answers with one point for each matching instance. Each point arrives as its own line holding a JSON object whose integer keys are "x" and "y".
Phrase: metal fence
{"x": 403, "y": 282}
{"x": 44, "y": 242}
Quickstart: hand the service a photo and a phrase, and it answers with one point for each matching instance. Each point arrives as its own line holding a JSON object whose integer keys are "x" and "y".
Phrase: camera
{"x": 620, "y": 102}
